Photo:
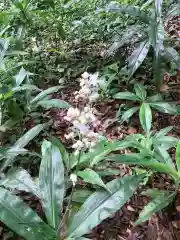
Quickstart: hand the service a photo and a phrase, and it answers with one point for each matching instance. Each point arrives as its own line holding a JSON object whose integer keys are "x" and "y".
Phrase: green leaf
{"x": 29, "y": 136}
{"x": 153, "y": 193}
{"x": 126, "y": 96}
{"x": 166, "y": 141}
{"x": 164, "y": 156}
{"x": 25, "y": 87}
{"x": 21, "y": 219}
{"x": 137, "y": 57}
{"x": 138, "y": 159}
{"x": 121, "y": 41}
{"x": 45, "y": 93}
{"x": 145, "y": 116}
{"x": 21, "y": 180}
{"x": 21, "y": 76}
{"x": 178, "y": 156}
{"x": 173, "y": 55}
{"x": 53, "y": 103}
{"x": 129, "y": 9}
{"x": 51, "y": 183}
{"x": 102, "y": 204}
{"x": 90, "y": 176}
{"x": 21, "y": 143}
{"x": 80, "y": 195}
{"x": 61, "y": 31}
{"x": 156, "y": 37}
{"x": 174, "y": 11}
{"x": 158, "y": 7}
{"x": 164, "y": 107}
{"x": 163, "y": 132}
{"x": 154, "y": 206}
{"x": 128, "y": 113}
{"x": 65, "y": 155}
{"x": 155, "y": 98}
{"x": 140, "y": 91}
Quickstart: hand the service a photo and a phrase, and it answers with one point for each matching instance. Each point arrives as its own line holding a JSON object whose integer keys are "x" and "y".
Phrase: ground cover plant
{"x": 89, "y": 119}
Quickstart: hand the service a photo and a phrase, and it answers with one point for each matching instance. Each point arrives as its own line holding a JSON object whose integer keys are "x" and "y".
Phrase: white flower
{"x": 33, "y": 39}
{"x": 73, "y": 178}
{"x": 94, "y": 79}
{"x": 94, "y": 97}
{"x": 85, "y": 75}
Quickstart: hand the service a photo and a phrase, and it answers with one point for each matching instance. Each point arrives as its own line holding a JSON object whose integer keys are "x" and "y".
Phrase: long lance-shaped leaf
{"x": 44, "y": 94}
{"x": 137, "y": 57}
{"x": 178, "y": 156}
{"x": 173, "y": 55}
{"x": 158, "y": 7}
{"x": 174, "y": 11}
{"x": 103, "y": 204}
{"x": 155, "y": 206}
{"x": 51, "y": 183}
{"x": 138, "y": 159}
{"x": 129, "y": 9}
{"x": 22, "y": 142}
{"x": 20, "y": 179}
{"x": 21, "y": 218}
{"x": 145, "y": 116}
{"x": 121, "y": 41}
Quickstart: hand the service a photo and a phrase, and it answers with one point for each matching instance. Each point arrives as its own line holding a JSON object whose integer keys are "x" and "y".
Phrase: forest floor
{"x": 163, "y": 226}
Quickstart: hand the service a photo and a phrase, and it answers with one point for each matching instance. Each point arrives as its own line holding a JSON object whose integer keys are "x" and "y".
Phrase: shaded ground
{"x": 165, "y": 225}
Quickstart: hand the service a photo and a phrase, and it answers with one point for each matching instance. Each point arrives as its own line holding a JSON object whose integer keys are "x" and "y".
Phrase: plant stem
{"x": 69, "y": 202}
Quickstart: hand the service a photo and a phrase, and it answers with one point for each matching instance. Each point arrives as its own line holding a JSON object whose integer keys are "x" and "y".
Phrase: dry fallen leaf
{"x": 132, "y": 130}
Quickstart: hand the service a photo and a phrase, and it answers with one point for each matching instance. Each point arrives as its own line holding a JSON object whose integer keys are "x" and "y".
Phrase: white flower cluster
{"x": 89, "y": 87}
{"x": 82, "y": 120}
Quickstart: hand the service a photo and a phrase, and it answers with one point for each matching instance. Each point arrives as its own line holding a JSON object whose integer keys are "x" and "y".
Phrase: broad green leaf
{"x": 29, "y": 136}
{"x": 178, "y": 156}
{"x": 128, "y": 113}
{"x": 121, "y": 41}
{"x": 102, "y": 204}
{"x": 25, "y": 87}
{"x": 173, "y": 55}
{"x": 166, "y": 141}
{"x": 21, "y": 143}
{"x": 129, "y": 9}
{"x": 90, "y": 176}
{"x": 97, "y": 156}
{"x": 53, "y": 103}
{"x": 21, "y": 76}
{"x": 137, "y": 57}
{"x": 164, "y": 107}
{"x": 137, "y": 159}
{"x": 80, "y": 195}
{"x": 164, "y": 156}
{"x": 51, "y": 183}
{"x": 163, "y": 132}
{"x": 108, "y": 172}
{"x": 44, "y": 94}
{"x": 155, "y": 98}
{"x": 65, "y": 155}
{"x": 146, "y": 4}
{"x": 145, "y": 116}
{"x": 140, "y": 91}
{"x": 153, "y": 193}
{"x": 21, "y": 180}
{"x": 19, "y": 217}
{"x": 156, "y": 37}
{"x": 158, "y": 7}
{"x": 154, "y": 206}
{"x": 61, "y": 31}
{"x": 126, "y": 96}
{"x": 174, "y": 11}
